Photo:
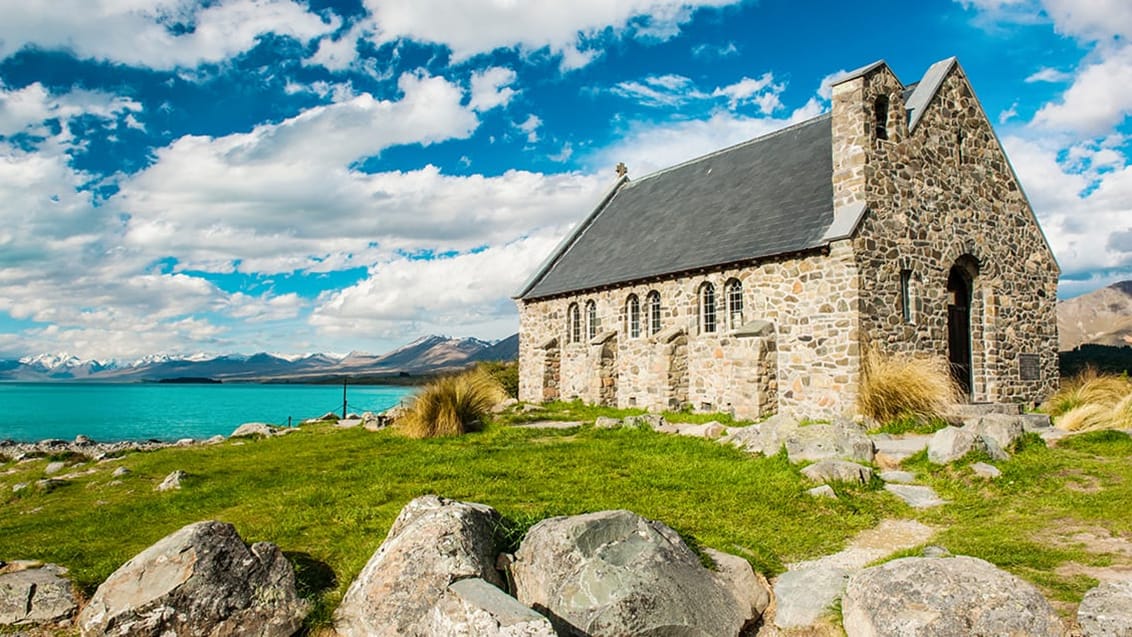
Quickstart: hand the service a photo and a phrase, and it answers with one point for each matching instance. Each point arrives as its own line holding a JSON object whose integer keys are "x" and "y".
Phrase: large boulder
{"x": 944, "y": 597}
{"x": 254, "y": 430}
{"x": 474, "y": 608}
{"x": 200, "y": 580}
{"x": 766, "y": 437}
{"x": 838, "y": 471}
{"x": 950, "y": 444}
{"x": 35, "y": 596}
{"x": 432, "y": 543}
{"x": 1106, "y": 610}
{"x": 1003, "y": 430}
{"x": 829, "y": 442}
{"x": 614, "y": 573}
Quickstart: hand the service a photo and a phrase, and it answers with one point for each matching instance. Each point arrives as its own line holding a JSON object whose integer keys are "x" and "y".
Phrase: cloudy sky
{"x": 331, "y": 175}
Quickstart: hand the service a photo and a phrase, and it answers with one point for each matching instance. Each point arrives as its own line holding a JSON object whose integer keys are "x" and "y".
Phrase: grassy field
{"x": 327, "y": 497}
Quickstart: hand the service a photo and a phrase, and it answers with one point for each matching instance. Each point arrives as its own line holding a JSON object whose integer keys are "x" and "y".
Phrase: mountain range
{"x": 1101, "y": 317}
{"x": 425, "y": 355}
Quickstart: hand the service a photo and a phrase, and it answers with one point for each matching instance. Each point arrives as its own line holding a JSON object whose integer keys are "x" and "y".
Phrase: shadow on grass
{"x": 313, "y": 578}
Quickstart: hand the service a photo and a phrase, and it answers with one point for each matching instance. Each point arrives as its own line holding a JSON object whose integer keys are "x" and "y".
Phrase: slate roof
{"x": 768, "y": 196}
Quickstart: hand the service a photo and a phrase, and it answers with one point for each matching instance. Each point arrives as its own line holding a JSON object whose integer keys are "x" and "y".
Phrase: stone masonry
{"x": 932, "y": 201}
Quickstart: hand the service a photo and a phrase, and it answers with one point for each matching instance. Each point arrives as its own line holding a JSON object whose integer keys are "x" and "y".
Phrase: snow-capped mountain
{"x": 426, "y": 354}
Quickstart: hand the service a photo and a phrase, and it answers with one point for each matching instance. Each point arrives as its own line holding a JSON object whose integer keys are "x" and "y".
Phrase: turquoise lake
{"x": 113, "y": 412}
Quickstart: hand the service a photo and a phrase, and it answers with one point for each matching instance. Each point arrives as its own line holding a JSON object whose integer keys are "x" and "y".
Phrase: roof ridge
{"x": 742, "y": 144}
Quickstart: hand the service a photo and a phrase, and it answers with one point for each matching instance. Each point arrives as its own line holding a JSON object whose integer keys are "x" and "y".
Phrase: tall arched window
{"x": 573, "y": 324}
{"x": 591, "y": 320}
{"x": 880, "y": 110}
{"x": 654, "y": 311}
{"x": 633, "y": 316}
{"x": 707, "y": 308}
{"x": 734, "y": 304}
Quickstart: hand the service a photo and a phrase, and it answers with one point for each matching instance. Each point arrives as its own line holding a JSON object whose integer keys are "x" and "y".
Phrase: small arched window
{"x": 591, "y": 320}
{"x": 734, "y": 304}
{"x": 573, "y": 324}
{"x": 707, "y": 308}
{"x": 654, "y": 311}
{"x": 633, "y": 316}
{"x": 880, "y": 111}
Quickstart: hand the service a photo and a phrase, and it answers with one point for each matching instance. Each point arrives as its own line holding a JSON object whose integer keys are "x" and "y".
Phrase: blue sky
{"x": 293, "y": 176}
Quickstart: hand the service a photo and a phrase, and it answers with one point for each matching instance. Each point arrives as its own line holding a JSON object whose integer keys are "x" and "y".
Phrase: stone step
{"x": 983, "y": 409}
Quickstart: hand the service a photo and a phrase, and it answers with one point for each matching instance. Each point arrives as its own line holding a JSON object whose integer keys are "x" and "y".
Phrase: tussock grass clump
{"x": 1091, "y": 401}
{"x": 452, "y": 405}
{"x": 901, "y": 385}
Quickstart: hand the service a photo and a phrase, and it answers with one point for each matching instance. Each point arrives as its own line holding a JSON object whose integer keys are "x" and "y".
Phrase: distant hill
{"x": 1101, "y": 317}
{"x": 423, "y": 356}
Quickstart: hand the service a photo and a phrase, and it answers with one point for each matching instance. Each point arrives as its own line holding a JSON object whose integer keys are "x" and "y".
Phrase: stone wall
{"x": 805, "y": 364}
{"x": 938, "y": 195}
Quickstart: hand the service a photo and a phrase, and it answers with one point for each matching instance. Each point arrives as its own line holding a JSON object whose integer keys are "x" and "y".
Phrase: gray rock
{"x": 992, "y": 448}
{"x": 899, "y": 477}
{"x": 54, "y": 467}
{"x": 474, "y": 608}
{"x": 185, "y": 442}
{"x": 47, "y": 485}
{"x": 36, "y": 596}
{"x": 1106, "y": 610}
{"x": 838, "y": 471}
{"x": 822, "y": 491}
{"x": 83, "y": 441}
{"x": 503, "y": 405}
{"x": 200, "y": 580}
{"x": 710, "y": 430}
{"x": 1036, "y": 422}
{"x": 253, "y": 430}
{"x": 984, "y": 470}
{"x": 944, "y": 597}
{"x": 616, "y": 573}
{"x": 172, "y": 481}
{"x": 916, "y": 497}
{"x": 655, "y": 422}
{"x": 432, "y": 543}
{"x": 749, "y": 588}
{"x": 829, "y": 442}
{"x": 349, "y": 423}
{"x": 120, "y": 471}
{"x": 766, "y": 437}
{"x": 950, "y": 444}
{"x": 215, "y": 440}
{"x": 805, "y": 596}
{"x": 1004, "y": 430}
{"x": 890, "y": 452}
{"x": 19, "y": 486}
{"x": 935, "y": 551}
{"x": 605, "y": 422}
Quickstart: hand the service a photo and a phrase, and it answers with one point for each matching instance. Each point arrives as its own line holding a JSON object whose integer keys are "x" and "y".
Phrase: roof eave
{"x": 569, "y": 240}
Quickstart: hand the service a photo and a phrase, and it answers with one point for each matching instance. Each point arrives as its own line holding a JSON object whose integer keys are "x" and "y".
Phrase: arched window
{"x": 880, "y": 110}
{"x": 573, "y": 324}
{"x": 707, "y": 308}
{"x": 734, "y": 304}
{"x": 591, "y": 320}
{"x": 654, "y": 312}
{"x": 633, "y": 316}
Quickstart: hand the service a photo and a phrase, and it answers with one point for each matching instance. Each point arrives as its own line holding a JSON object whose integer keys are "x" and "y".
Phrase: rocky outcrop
{"x": 994, "y": 434}
{"x": 1106, "y": 610}
{"x": 35, "y": 596}
{"x": 200, "y": 580}
{"x": 433, "y": 543}
{"x": 838, "y": 471}
{"x": 766, "y": 437}
{"x": 474, "y": 608}
{"x": 844, "y": 441}
{"x": 172, "y": 482}
{"x": 615, "y": 573}
{"x": 944, "y": 597}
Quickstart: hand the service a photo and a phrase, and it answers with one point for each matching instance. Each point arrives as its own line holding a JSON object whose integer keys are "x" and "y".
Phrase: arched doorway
{"x": 959, "y": 285}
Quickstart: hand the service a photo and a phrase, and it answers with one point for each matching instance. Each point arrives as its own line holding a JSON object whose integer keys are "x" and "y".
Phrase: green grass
{"x": 329, "y": 496}
{"x": 910, "y": 424}
{"x": 576, "y": 410}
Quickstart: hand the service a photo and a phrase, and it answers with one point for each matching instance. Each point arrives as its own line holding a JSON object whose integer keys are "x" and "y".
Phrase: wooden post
{"x": 345, "y": 380}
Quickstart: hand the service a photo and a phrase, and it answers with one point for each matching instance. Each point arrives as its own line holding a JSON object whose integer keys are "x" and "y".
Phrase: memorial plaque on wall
{"x": 1029, "y": 367}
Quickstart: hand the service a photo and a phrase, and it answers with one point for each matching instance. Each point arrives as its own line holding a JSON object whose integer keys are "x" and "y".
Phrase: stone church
{"x": 754, "y": 280}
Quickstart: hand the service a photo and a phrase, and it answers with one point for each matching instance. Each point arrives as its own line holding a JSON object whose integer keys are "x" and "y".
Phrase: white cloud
{"x": 138, "y": 32}
{"x": 530, "y": 126}
{"x": 28, "y": 108}
{"x": 1098, "y": 100}
{"x": 1047, "y": 74}
{"x": 491, "y": 87}
{"x": 646, "y": 148}
{"x": 762, "y": 91}
{"x": 471, "y": 27}
{"x": 660, "y": 90}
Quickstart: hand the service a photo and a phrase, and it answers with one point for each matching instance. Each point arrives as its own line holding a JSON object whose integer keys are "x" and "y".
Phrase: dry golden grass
{"x": 1088, "y": 388}
{"x": 898, "y": 385}
{"x": 1091, "y": 401}
{"x": 452, "y": 405}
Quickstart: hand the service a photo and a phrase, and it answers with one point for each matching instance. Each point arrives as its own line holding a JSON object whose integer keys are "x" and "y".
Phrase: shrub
{"x": 452, "y": 405}
{"x": 1088, "y": 388}
{"x": 1091, "y": 401}
{"x": 901, "y": 385}
{"x": 506, "y": 372}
